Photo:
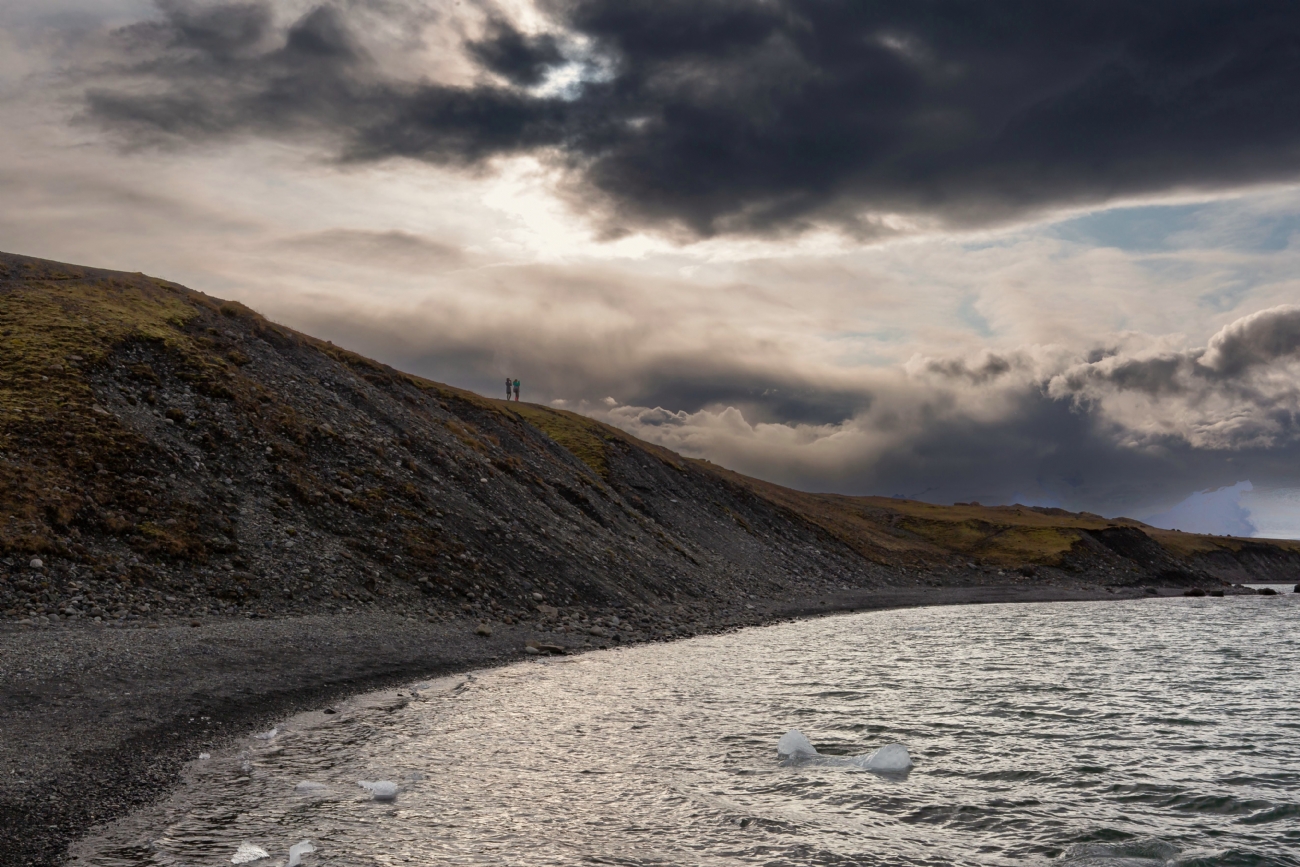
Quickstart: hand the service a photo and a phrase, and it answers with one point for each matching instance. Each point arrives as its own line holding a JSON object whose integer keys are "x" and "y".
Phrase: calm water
{"x": 1134, "y": 733}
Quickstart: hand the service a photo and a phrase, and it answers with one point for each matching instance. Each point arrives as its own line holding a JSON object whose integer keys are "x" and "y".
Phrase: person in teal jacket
{"x": 516, "y": 391}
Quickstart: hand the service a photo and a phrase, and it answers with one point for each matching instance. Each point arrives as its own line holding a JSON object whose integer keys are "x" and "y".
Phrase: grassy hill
{"x": 165, "y": 452}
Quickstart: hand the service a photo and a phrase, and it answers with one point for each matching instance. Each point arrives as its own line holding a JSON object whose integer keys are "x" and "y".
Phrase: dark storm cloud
{"x": 522, "y": 59}
{"x": 1046, "y": 453}
{"x": 223, "y": 32}
{"x": 740, "y": 115}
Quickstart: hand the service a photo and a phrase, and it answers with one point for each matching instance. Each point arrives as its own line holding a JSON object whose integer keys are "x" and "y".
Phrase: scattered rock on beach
{"x": 484, "y": 630}
{"x": 1266, "y": 591}
{"x": 1195, "y": 591}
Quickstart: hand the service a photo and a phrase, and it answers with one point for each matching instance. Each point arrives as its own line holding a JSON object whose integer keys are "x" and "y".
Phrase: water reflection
{"x": 1099, "y": 733}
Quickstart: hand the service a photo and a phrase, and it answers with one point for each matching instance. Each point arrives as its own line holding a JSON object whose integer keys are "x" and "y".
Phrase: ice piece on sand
{"x": 248, "y": 852}
{"x": 891, "y": 758}
{"x": 309, "y": 788}
{"x": 382, "y": 790}
{"x": 297, "y": 850}
{"x": 793, "y": 744}
{"x": 266, "y": 736}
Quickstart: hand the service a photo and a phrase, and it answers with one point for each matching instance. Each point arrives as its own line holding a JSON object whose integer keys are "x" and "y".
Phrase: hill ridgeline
{"x": 164, "y": 453}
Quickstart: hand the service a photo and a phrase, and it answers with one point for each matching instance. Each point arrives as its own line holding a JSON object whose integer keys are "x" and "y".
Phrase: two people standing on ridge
{"x": 516, "y": 386}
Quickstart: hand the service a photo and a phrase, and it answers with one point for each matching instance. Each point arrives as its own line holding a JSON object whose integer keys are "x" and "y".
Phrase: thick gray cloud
{"x": 714, "y": 116}
{"x": 1254, "y": 341}
{"x": 1240, "y": 391}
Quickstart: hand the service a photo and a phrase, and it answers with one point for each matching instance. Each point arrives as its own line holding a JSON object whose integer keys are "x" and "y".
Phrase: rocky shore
{"x": 96, "y": 721}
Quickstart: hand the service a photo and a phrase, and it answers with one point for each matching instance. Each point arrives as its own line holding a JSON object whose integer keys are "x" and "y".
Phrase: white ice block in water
{"x": 793, "y": 744}
{"x": 248, "y": 852}
{"x": 297, "y": 850}
{"x": 889, "y": 759}
{"x": 382, "y": 790}
{"x": 309, "y": 788}
{"x": 795, "y": 748}
{"x": 266, "y": 736}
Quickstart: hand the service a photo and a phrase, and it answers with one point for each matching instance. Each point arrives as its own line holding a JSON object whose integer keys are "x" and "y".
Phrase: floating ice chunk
{"x": 794, "y": 744}
{"x": 795, "y": 748}
{"x": 205, "y": 755}
{"x": 266, "y": 736}
{"x": 889, "y": 759}
{"x": 382, "y": 790}
{"x": 248, "y": 852}
{"x": 309, "y": 788}
{"x": 297, "y": 850}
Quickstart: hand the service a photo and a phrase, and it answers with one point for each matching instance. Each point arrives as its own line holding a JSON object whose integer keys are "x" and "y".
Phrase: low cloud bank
{"x": 1118, "y": 433}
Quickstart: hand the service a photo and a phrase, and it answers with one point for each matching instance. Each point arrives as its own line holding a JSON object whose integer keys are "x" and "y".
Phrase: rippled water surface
{"x": 1094, "y": 733}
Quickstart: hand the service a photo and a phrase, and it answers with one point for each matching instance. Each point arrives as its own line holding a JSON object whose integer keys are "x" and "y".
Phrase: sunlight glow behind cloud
{"x": 835, "y": 333}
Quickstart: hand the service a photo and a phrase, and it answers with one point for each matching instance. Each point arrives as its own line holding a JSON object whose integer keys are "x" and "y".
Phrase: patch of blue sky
{"x": 969, "y": 315}
{"x": 1140, "y": 229}
{"x": 1230, "y": 224}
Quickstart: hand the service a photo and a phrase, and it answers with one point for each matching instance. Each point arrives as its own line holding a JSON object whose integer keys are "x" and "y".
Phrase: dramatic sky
{"x": 993, "y": 250}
